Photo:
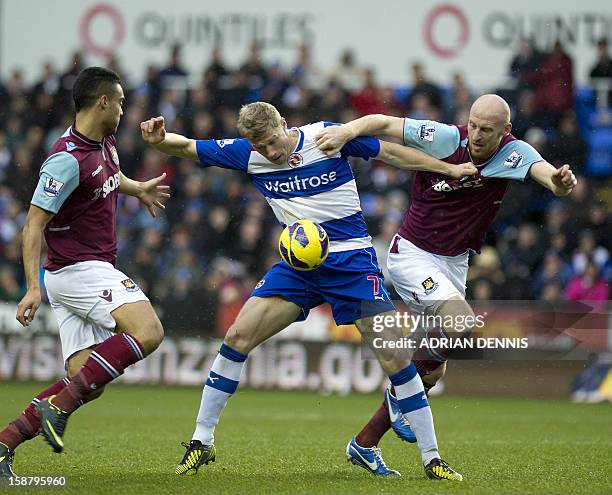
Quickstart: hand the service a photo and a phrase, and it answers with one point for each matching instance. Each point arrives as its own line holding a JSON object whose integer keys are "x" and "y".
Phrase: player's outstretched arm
{"x": 331, "y": 139}
{"x": 154, "y": 132}
{"x": 560, "y": 181}
{"x": 35, "y": 223}
{"x": 412, "y": 159}
{"x": 151, "y": 193}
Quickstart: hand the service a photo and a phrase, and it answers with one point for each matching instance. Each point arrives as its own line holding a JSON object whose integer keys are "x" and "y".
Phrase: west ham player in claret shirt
{"x": 106, "y": 323}
{"x": 428, "y": 258}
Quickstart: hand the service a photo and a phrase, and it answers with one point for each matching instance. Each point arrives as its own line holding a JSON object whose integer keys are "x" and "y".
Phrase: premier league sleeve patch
{"x": 52, "y": 187}
{"x": 427, "y": 133}
{"x": 224, "y": 142}
{"x": 59, "y": 177}
{"x": 514, "y": 160}
{"x": 435, "y": 139}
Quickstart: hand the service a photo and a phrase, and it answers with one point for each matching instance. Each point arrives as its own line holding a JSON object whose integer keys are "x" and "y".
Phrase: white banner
{"x": 475, "y": 37}
{"x": 327, "y": 368}
{"x": 34, "y": 353}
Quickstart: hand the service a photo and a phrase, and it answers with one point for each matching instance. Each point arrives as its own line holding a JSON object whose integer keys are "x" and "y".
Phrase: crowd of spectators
{"x": 200, "y": 261}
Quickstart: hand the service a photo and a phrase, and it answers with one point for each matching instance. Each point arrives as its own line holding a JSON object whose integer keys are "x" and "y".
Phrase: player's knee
{"x": 237, "y": 337}
{"x": 150, "y": 335}
{"x": 465, "y": 322}
{"x": 395, "y": 365}
{"x": 458, "y": 317}
{"x": 73, "y": 368}
{"x": 76, "y": 362}
{"x": 432, "y": 377}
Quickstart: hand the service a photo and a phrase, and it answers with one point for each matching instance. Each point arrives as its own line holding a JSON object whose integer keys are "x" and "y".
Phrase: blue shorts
{"x": 350, "y": 281}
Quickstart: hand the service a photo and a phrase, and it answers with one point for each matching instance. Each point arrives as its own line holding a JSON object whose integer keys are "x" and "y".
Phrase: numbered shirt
{"x": 310, "y": 185}
{"x": 79, "y": 183}
{"x": 448, "y": 216}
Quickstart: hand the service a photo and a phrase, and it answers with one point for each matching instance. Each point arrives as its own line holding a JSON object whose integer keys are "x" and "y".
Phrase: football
{"x": 304, "y": 245}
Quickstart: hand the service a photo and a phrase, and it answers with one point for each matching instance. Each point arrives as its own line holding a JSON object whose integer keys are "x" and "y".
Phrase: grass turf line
{"x": 293, "y": 442}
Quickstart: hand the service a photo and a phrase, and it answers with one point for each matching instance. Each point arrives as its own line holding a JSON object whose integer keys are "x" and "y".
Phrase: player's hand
{"x": 463, "y": 170}
{"x": 152, "y": 192}
{"x": 153, "y": 130}
{"x": 27, "y": 307}
{"x": 331, "y": 139}
{"x": 564, "y": 179}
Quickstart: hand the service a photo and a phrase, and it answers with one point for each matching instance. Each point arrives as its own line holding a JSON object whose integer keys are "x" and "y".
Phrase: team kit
{"x": 106, "y": 322}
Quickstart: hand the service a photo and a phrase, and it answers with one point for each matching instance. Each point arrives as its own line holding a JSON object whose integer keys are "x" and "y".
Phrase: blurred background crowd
{"x": 200, "y": 261}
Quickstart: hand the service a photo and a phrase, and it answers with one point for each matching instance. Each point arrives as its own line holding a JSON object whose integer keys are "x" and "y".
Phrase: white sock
{"x": 221, "y": 383}
{"x": 415, "y": 408}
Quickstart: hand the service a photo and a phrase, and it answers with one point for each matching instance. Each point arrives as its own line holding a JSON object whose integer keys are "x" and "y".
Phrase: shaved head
{"x": 488, "y": 123}
{"x": 492, "y": 108}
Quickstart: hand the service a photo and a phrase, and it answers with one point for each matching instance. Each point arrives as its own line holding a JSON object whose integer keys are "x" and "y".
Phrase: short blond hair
{"x": 256, "y": 119}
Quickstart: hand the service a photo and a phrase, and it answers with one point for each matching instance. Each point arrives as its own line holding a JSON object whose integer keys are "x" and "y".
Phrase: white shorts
{"x": 82, "y": 297}
{"x": 425, "y": 280}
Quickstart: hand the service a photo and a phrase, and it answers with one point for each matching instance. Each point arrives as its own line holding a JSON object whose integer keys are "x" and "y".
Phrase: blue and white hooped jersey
{"x": 310, "y": 186}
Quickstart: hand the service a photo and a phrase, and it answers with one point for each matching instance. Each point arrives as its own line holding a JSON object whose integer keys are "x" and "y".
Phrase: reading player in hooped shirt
{"x": 106, "y": 323}
{"x": 300, "y": 181}
{"x": 428, "y": 258}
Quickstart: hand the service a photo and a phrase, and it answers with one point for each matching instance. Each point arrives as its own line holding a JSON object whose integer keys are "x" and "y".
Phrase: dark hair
{"x": 90, "y": 84}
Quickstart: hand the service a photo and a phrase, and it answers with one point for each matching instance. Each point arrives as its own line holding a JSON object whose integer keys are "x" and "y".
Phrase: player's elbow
{"x": 387, "y": 153}
{"x": 34, "y": 223}
{"x": 189, "y": 150}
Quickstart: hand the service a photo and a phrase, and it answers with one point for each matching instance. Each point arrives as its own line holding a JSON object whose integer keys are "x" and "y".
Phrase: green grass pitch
{"x": 292, "y": 442}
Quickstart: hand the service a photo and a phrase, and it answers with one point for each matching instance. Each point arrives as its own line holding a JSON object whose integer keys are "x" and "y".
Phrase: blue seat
{"x": 599, "y": 161}
{"x": 585, "y": 105}
{"x": 401, "y": 93}
{"x": 600, "y": 118}
{"x": 585, "y": 96}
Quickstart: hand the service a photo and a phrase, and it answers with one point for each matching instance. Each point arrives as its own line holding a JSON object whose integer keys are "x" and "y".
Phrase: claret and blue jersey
{"x": 451, "y": 216}
{"x": 322, "y": 189}
{"x": 79, "y": 183}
